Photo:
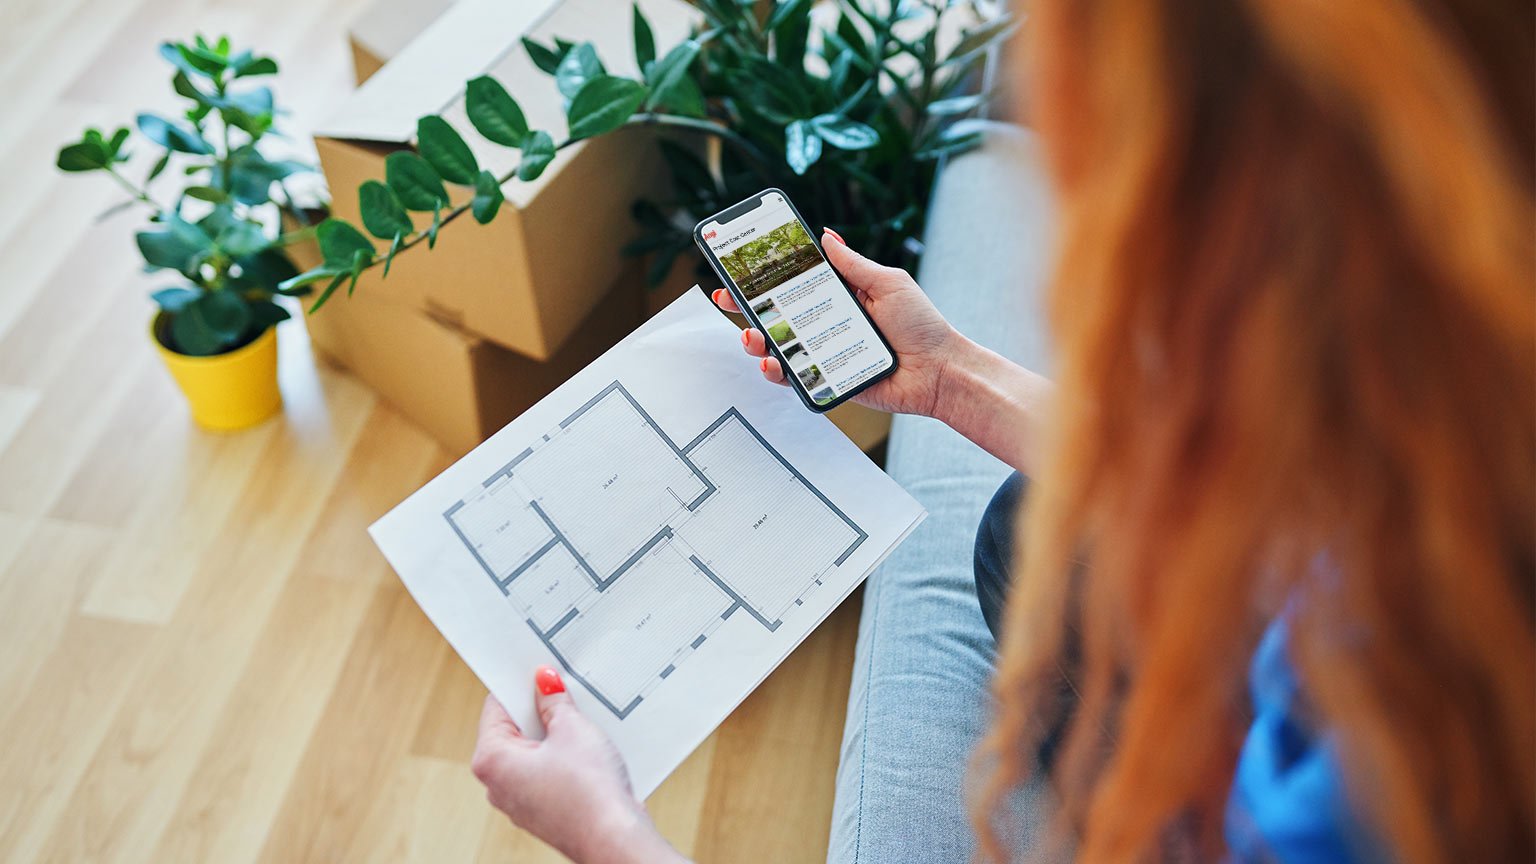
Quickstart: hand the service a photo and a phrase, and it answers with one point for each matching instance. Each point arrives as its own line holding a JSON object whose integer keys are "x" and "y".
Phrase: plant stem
{"x": 137, "y": 193}
{"x": 730, "y": 136}
{"x": 746, "y": 147}
{"x": 292, "y": 237}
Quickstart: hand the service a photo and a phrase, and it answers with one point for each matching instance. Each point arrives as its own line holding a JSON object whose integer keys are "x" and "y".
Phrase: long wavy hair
{"x": 1295, "y": 314}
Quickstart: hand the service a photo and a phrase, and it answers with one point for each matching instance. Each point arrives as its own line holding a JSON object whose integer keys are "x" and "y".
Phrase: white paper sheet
{"x": 665, "y": 528}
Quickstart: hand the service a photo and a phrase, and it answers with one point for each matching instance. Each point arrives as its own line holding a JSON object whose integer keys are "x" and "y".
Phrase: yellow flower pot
{"x": 226, "y": 391}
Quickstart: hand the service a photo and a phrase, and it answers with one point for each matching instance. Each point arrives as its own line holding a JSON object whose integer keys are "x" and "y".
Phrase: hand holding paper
{"x": 664, "y": 528}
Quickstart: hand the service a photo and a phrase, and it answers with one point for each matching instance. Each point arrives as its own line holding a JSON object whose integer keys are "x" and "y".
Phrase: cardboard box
{"x": 457, "y": 386}
{"x": 530, "y": 278}
{"x": 385, "y": 28}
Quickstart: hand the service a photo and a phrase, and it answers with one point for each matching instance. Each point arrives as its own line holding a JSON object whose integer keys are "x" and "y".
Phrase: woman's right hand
{"x": 924, "y": 342}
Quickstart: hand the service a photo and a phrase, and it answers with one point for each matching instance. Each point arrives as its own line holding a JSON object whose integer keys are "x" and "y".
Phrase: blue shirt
{"x": 1288, "y": 803}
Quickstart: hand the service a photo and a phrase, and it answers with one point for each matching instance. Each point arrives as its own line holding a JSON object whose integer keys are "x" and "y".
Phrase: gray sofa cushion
{"x": 918, "y": 700}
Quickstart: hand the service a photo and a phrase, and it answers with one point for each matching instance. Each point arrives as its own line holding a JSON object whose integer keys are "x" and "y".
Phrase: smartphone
{"x": 771, "y": 262}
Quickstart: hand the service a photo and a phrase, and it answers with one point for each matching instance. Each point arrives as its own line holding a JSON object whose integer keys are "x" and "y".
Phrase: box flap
{"x": 387, "y": 26}
{"x": 430, "y": 73}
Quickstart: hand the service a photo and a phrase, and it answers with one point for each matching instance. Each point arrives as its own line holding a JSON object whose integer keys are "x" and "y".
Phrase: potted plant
{"x": 847, "y": 106}
{"x": 219, "y": 234}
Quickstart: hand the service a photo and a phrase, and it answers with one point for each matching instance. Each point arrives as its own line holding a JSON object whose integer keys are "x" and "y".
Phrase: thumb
{"x": 551, "y": 699}
{"x": 863, "y": 274}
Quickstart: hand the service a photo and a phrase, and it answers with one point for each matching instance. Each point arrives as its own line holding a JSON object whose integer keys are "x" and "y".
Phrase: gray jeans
{"x": 918, "y": 701}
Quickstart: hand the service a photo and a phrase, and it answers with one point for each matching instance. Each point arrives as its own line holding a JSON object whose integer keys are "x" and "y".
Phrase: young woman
{"x": 1281, "y": 534}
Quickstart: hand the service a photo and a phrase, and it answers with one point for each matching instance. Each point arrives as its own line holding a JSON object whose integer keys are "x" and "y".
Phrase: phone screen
{"x": 828, "y": 345}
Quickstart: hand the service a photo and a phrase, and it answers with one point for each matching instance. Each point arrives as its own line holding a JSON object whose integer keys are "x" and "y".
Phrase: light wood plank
{"x": 268, "y": 504}
{"x": 138, "y": 773}
{"x": 51, "y": 568}
{"x": 366, "y": 728}
{"x": 246, "y": 765}
{"x": 14, "y": 531}
{"x": 16, "y": 405}
{"x": 34, "y": 76}
{"x": 73, "y": 412}
{"x": 50, "y": 734}
{"x": 448, "y": 727}
{"x": 244, "y": 772}
{"x": 428, "y": 810}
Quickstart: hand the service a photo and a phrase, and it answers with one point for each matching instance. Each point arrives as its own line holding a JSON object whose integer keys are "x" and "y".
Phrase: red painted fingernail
{"x": 548, "y": 680}
{"x": 763, "y": 364}
{"x": 744, "y": 337}
{"x": 835, "y": 236}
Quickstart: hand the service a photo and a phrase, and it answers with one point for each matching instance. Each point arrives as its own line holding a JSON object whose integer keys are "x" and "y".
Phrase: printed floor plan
{"x": 685, "y": 537}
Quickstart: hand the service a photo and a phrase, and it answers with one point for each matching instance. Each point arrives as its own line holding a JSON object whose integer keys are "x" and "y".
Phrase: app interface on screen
{"x": 807, "y": 312}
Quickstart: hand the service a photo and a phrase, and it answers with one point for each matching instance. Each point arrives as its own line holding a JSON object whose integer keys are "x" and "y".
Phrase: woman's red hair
{"x": 1295, "y": 313}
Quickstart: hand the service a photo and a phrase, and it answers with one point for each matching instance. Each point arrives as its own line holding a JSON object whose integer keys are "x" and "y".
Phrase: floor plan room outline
{"x": 624, "y": 552}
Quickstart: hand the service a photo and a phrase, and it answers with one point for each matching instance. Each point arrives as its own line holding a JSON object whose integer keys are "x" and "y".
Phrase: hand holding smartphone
{"x": 770, "y": 261}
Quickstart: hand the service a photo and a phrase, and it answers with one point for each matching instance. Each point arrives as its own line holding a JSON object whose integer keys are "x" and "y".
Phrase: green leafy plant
{"x": 848, "y": 117}
{"x": 230, "y": 253}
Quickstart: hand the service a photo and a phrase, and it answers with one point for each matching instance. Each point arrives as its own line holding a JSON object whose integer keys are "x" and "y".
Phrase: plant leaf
{"x": 340, "y": 244}
{"x": 790, "y": 24}
{"x": 603, "y": 105}
{"x": 330, "y": 288}
{"x": 115, "y": 146}
{"x": 437, "y": 224}
{"x": 954, "y": 140}
{"x": 173, "y": 56}
{"x": 242, "y": 238}
{"x": 394, "y": 247}
{"x": 684, "y": 98}
{"x": 175, "y": 244}
{"x": 266, "y": 269}
{"x": 172, "y": 136}
{"x": 802, "y": 146}
{"x": 538, "y": 151}
{"x": 206, "y": 193}
{"x": 158, "y": 168}
{"x": 360, "y": 261}
{"x": 645, "y": 41}
{"x": 184, "y": 87}
{"x": 82, "y": 156}
{"x": 172, "y": 300}
{"x": 413, "y": 181}
{"x": 783, "y": 12}
{"x": 255, "y": 66}
{"x": 980, "y": 39}
{"x": 204, "y": 62}
{"x": 381, "y": 211}
{"x": 445, "y": 151}
{"x": 295, "y": 286}
{"x": 190, "y": 336}
{"x": 225, "y": 312}
{"x": 265, "y": 313}
{"x": 545, "y": 59}
{"x": 494, "y": 113}
{"x": 845, "y": 134}
{"x": 488, "y": 197}
{"x": 669, "y": 71}
{"x": 579, "y": 66}
{"x": 211, "y": 323}
{"x": 956, "y": 105}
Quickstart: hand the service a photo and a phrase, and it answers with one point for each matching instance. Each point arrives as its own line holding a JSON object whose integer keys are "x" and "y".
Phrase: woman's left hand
{"x": 571, "y": 789}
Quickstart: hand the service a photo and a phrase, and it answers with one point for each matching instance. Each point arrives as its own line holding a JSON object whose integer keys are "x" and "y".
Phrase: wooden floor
{"x": 202, "y": 656}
